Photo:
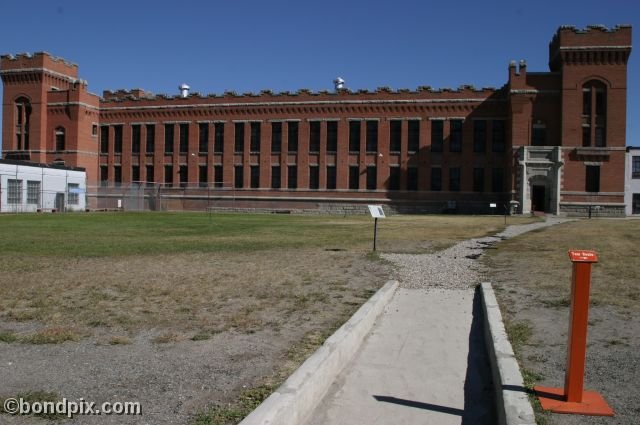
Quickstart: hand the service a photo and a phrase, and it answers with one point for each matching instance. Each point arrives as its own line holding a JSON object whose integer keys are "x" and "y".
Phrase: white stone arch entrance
{"x": 539, "y": 179}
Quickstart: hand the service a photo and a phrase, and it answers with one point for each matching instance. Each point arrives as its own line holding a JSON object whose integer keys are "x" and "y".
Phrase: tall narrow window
{"x": 203, "y": 137}
{"x": 135, "y": 138}
{"x": 455, "y": 136}
{"x": 331, "y": 177}
{"x": 184, "y": 138}
{"x": 203, "y": 175}
{"x": 168, "y": 175}
{"x": 372, "y": 180}
{"x": 218, "y": 143}
{"x": 104, "y": 175}
{"x": 218, "y": 177}
{"x": 454, "y": 179}
{"x": 394, "y": 178}
{"x": 239, "y": 137}
{"x": 332, "y": 136}
{"x": 23, "y": 120}
{"x": 314, "y": 136}
{"x": 276, "y": 177}
{"x": 354, "y": 177}
{"x": 238, "y": 176}
{"x": 292, "y": 177}
{"x": 183, "y": 171}
{"x": 413, "y": 135}
{"x": 255, "y": 176}
{"x": 168, "y": 138}
{"x": 497, "y": 180}
{"x": 635, "y": 167}
{"x": 14, "y": 191}
{"x": 539, "y": 134}
{"x": 479, "y": 136}
{"x": 395, "y": 136}
{"x": 354, "y": 136}
{"x": 586, "y": 101}
{"x": 33, "y": 192}
{"x": 314, "y": 177}
{"x": 372, "y": 136}
{"x": 117, "y": 138}
{"x": 276, "y": 137}
{"x": 594, "y": 114}
{"x": 436, "y": 179}
{"x": 255, "y": 137}
{"x": 104, "y": 139}
{"x": 73, "y": 197}
{"x": 151, "y": 138}
{"x": 117, "y": 175}
{"x": 437, "y": 136}
{"x": 592, "y": 182}
{"x": 292, "y": 137}
{"x": 135, "y": 173}
{"x": 498, "y": 136}
{"x": 412, "y": 178}
{"x": 478, "y": 179}
{"x": 150, "y": 178}
{"x": 60, "y": 139}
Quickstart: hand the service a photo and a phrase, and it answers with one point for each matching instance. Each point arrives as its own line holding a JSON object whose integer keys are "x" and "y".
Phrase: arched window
{"x": 60, "y": 139}
{"x": 594, "y": 114}
{"x": 22, "y": 121}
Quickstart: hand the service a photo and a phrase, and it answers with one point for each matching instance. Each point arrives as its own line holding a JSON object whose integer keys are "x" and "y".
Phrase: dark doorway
{"x": 59, "y": 202}
{"x": 538, "y": 198}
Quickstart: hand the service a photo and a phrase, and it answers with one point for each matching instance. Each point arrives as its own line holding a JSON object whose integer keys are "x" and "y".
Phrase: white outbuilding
{"x": 31, "y": 187}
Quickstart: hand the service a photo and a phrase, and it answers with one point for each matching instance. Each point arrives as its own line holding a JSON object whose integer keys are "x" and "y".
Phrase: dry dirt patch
{"x": 532, "y": 275}
{"x": 177, "y": 333}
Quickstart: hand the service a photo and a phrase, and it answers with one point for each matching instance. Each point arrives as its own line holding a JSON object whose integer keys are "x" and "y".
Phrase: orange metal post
{"x": 573, "y": 398}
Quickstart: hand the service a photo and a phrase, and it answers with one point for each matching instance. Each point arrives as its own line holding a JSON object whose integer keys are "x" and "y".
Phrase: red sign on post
{"x": 572, "y": 398}
{"x": 582, "y": 256}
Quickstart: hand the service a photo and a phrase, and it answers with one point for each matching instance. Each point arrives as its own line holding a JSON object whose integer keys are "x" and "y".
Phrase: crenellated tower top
{"x": 596, "y": 44}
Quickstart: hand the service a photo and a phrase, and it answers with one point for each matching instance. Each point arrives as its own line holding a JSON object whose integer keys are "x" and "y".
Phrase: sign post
{"x": 573, "y": 398}
{"x": 376, "y": 212}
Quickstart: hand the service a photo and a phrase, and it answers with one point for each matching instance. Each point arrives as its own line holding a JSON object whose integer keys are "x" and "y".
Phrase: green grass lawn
{"x": 123, "y": 234}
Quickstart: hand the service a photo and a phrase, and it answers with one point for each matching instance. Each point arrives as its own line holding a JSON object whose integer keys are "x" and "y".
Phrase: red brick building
{"x": 552, "y": 141}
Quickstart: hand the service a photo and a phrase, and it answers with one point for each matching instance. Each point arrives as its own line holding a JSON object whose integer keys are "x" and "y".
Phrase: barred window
{"x": 14, "y": 188}
{"x": 33, "y": 192}
{"x": 73, "y": 190}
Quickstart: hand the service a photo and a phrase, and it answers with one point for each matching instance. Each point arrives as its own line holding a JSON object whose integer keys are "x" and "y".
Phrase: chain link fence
{"x": 151, "y": 196}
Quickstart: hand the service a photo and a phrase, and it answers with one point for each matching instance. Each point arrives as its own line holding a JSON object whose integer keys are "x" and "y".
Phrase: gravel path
{"x": 454, "y": 267}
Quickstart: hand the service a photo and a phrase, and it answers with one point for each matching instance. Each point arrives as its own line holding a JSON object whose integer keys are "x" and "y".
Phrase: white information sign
{"x": 492, "y": 205}
{"x": 376, "y": 211}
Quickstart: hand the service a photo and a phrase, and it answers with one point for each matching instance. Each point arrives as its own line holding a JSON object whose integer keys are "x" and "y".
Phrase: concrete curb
{"x": 513, "y": 406}
{"x": 294, "y": 401}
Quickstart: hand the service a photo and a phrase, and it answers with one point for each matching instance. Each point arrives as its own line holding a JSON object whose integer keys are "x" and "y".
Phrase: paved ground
{"x": 425, "y": 361}
{"x": 419, "y": 365}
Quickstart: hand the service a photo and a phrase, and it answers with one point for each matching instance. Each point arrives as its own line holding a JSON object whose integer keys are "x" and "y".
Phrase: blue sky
{"x": 244, "y": 45}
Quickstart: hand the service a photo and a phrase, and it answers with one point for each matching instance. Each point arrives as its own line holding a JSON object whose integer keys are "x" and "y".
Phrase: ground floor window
{"x": 14, "y": 189}
{"x": 33, "y": 192}
{"x": 73, "y": 189}
{"x": 635, "y": 206}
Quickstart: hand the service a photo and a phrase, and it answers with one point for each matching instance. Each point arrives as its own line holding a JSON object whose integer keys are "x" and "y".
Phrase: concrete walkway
{"x": 424, "y": 362}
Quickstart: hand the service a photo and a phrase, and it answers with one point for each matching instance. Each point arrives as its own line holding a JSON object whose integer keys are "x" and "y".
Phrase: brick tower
{"x": 48, "y": 114}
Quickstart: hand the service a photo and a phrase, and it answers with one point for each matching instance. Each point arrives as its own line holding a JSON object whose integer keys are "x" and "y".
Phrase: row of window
{"x": 14, "y": 192}
{"x": 370, "y": 173}
{"x": 371, "y": 136}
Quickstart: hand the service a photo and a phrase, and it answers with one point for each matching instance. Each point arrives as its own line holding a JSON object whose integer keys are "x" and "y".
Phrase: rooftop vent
{"x": 184, "y": 90}
{"x": 338, "y": 83}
